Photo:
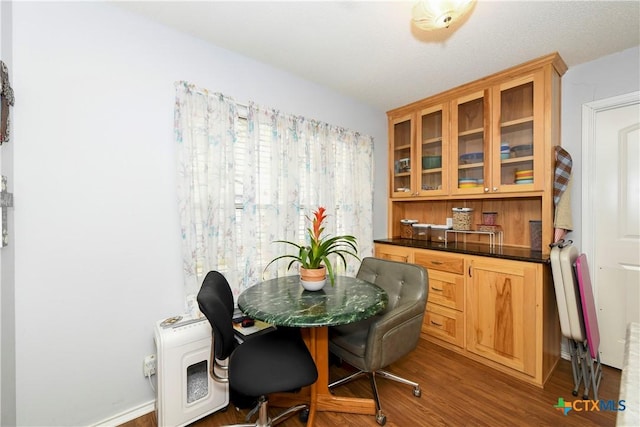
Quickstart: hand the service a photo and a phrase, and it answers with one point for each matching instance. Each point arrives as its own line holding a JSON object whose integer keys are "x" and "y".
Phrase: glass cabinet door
{"x": 432, "y": 151}
{"x": 469, "y": 145}
{"x": 401, "y": 156}
{"x": 516, "y": 131}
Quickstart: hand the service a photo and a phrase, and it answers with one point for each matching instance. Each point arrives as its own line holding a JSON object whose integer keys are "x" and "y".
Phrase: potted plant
{"x": 313, "y": 258}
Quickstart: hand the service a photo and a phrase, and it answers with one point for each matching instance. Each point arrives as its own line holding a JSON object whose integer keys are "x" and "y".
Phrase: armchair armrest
{"x": 395, "y": 332}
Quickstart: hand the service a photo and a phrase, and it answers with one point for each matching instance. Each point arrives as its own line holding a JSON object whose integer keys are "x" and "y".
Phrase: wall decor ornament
{"x": 6, "y": 100}
{"x": 6, "y": 201}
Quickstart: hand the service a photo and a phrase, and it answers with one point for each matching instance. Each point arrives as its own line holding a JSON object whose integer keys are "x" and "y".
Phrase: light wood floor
{"x": 456, "y": 391}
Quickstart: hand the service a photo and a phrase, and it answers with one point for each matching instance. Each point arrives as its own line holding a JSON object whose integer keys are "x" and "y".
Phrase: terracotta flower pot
{"x": 313, "y": 279}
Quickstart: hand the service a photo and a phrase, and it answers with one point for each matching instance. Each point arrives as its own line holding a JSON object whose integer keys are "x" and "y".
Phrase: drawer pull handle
{"x": 436, "y": 262}
{"x": 436, "y": 289}
{"x": 435, "y": 323}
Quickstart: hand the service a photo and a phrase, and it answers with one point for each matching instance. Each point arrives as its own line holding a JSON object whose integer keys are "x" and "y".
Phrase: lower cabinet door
{"x": 503, "y": 312}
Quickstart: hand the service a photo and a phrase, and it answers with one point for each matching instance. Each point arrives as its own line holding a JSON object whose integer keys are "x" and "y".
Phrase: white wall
{"x": 609, "y": 76}
{"x": 7, "y": 254}
{"x": 97, "y": 243}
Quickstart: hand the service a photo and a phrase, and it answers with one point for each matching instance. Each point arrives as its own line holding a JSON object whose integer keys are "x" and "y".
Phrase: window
{"x": 249, "y": 177}
{"x": 265, "y": 200}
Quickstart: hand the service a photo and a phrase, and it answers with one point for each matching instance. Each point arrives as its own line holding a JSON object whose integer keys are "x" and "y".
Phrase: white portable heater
{"x": 186, "y": 391}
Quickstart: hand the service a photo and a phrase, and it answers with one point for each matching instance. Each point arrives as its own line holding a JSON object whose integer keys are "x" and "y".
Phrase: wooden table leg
{"x": 322, "y": 399}
{"x": 319, "y": 396}
{"x": 313, "y": 401}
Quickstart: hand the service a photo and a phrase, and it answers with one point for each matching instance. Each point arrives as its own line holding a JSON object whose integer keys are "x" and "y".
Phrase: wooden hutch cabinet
{"x": 486, "y": 145}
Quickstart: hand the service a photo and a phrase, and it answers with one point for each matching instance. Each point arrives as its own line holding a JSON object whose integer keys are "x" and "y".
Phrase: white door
{"x": 611, "y": 216}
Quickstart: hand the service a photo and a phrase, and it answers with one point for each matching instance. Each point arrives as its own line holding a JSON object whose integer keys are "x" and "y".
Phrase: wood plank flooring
{"x": 456, "y": 391}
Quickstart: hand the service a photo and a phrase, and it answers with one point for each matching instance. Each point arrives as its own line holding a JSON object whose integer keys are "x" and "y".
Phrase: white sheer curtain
{"x": 245, "y": 183}
{"x": 205, "y": 136}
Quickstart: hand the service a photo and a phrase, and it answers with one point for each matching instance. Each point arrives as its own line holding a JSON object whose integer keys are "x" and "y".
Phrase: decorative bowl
{"x": 522, "y": 150}
{"x": 524, "y": 174}
{"x": 467, "y": 181}
{"x": 313, "y": 286}
{"x": 471, "y": 158}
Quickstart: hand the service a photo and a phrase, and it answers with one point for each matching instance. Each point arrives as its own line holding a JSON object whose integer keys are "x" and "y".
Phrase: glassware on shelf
{"x": 516, "y": 132}
{"x": 431, "y": 150}
{"x": 470, "y": 143}
{"x": 402, "y": 153}
{"x": 489, "y": 218}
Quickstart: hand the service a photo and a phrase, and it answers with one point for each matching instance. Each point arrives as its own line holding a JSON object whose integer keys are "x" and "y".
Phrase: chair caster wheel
{"x": 417, "y": 392}
{"x": 381, "y": 419}
{"x": 585, "y": 396}
{"x": 575, "y": 393}
{"x": 304, "y": 415}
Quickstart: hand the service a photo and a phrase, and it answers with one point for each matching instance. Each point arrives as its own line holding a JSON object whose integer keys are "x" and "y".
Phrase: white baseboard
{"x": 127, "y": 416}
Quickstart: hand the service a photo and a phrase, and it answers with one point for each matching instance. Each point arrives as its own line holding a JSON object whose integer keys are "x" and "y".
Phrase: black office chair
{"x": 379, "y": 341}
{"x": 274, "y": 362}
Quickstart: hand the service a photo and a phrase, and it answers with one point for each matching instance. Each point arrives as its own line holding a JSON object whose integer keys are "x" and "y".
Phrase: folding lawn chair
{"x": 592, "y": 366}
{"x": 576, "y": 311}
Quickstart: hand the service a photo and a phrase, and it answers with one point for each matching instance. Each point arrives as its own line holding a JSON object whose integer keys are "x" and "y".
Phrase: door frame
{"x": 589, "y": 113}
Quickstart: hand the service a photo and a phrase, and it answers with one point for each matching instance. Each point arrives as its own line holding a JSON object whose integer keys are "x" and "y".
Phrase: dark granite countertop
{"x": 505, "y": 252}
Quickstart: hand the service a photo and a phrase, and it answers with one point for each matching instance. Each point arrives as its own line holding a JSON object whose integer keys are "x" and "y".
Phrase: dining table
{"x": 284, "y": 302}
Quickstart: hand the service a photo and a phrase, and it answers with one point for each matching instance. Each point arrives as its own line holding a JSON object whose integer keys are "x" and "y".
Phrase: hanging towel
{"x": 562, "y": 173}
{"x": 563, "y": 221}
{"x": 562, "y": 194}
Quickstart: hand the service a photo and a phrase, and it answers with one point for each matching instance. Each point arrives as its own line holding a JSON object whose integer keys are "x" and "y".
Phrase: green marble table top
{"x": 283, "y": 301}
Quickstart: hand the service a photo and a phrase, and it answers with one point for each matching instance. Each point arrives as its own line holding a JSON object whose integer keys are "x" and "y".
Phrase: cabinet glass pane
{"x": 516, "y": 135}
{"x": 471, "y": 144}
{"x": 402, "y": 156}
{"x": 431, "y": 153}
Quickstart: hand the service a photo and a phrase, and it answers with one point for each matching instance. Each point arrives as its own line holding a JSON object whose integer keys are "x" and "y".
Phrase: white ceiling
{"x": 368, "y": 50}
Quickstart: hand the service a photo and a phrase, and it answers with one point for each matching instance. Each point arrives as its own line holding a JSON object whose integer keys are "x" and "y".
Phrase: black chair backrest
{"x": 216, "y": 303}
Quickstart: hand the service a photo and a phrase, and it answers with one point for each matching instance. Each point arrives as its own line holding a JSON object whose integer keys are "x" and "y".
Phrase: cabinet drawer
{"x": 435, "y": 261}
{"x": 446, "y": 289}
{"x": 393, "y": 253}
{"x": 444, "y": 323}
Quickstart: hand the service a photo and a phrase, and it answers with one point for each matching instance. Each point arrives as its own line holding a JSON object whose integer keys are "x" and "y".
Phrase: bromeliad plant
{"x": 316, "y": 253}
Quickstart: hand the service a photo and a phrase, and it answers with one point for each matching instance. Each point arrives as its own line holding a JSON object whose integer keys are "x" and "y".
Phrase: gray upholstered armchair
{"x": 377, "y": 342}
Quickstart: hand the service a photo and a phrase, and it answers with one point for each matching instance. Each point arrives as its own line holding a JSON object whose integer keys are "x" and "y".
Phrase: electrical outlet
{"x": 149, "y": 366}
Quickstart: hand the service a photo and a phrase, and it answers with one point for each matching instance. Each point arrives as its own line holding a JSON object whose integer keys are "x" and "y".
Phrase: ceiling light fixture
{"x": 435, "y": 14}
